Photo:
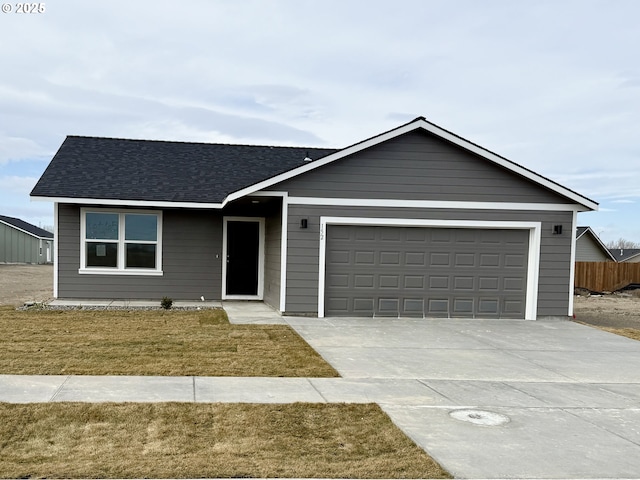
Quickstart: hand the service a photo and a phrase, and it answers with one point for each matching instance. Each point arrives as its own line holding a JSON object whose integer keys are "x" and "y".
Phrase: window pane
{"x": 140, "y": 227}
{"x": 102, "y": 254}
{"x": 102, "y": 226}
{"x": 141, "y": 255}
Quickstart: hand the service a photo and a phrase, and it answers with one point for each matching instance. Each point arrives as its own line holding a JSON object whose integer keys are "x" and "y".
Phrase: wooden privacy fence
{"x": 606, "y": 276}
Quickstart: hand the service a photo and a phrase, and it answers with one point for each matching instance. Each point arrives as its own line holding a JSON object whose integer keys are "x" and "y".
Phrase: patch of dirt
{"x": 25, "y": 283}
{"x": 617, "y": 310}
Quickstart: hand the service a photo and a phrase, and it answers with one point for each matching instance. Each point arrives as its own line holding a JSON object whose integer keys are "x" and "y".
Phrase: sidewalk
{"x": 85, "y": 388}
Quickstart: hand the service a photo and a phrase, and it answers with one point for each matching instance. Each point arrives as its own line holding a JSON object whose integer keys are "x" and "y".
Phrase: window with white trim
{"x": 120, "y": 242}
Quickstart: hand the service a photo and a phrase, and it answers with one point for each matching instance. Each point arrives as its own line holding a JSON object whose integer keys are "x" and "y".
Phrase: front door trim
{"x": 261, "y": 241}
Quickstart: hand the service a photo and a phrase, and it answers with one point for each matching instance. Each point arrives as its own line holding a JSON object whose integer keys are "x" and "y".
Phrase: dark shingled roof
{"x": 27, "y": 227}
{"x": 623, "y": 254}
{"x": 145, "y": 170}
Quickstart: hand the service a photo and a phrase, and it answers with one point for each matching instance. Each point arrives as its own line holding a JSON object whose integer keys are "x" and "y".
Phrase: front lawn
{"x": 184, "y": 440}
{"x": 150, "y": 342}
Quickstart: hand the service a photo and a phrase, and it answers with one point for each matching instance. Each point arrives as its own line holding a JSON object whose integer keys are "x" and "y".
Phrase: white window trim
{"x": 534, "y": 228}
{"x": 261, "y": 257}
{"x": 120, "y": 270}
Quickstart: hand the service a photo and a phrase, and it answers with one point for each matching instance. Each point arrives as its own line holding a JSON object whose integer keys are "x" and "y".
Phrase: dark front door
{"x": 243, "y": 242}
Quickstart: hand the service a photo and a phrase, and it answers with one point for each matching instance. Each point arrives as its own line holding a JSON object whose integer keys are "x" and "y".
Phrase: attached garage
{"x": 420, "y": 271}
{"x": 373, "y": 268}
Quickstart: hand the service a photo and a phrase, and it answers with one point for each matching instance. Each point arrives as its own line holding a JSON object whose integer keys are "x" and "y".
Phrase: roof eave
{"x": 128, "y": 203}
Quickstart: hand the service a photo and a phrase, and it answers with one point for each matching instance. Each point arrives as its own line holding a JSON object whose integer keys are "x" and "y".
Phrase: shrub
{"x": 166, "y": 303}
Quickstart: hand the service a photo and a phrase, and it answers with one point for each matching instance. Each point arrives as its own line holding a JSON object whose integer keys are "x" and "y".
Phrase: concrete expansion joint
{"x": 59, "y": 389}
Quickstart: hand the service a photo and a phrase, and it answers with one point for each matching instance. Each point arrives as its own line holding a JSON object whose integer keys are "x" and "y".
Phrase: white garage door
{"x": 425, "y": 272}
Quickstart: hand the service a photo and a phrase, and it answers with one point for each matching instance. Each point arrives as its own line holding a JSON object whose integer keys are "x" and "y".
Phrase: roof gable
{"x": 421, "y": 123}
{"x": 26, "y": 227}
{"x": 154, "y": 173}
{"x": 588, "y": 232}
{"x": 419, "y": 166}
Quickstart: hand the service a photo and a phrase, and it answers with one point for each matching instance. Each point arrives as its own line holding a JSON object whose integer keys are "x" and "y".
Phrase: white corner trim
{"x": 572, "y": 273}
{"x": 56, "y": 263}
{"x": 261, "y": 257}
{"x": 534, "y": 228}
{"x": 433, "y": 204}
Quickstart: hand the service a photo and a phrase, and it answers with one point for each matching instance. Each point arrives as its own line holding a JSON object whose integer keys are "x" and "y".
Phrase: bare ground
{"x": 609, "y": 311}
{"x": 25, "y": 283}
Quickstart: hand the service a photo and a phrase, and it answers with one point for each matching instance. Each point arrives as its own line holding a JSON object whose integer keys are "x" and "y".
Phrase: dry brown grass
{"x": 173, "y": 440}
{"x": 156, "y": 342}
{"x": 632, "y": 333}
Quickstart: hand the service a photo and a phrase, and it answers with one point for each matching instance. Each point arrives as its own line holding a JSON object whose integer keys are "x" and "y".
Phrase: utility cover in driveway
{"x": 430, "y": 272}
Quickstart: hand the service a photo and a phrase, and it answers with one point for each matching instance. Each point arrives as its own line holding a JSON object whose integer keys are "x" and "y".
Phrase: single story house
{"x": 415, "y": 221}
{"x": 630, "y": 255}
{"x": 589, "y": 247}
{"x": 21, "y": 242}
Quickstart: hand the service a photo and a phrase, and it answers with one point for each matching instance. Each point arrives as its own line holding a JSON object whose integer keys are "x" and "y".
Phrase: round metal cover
{"x": 480, "y": 417}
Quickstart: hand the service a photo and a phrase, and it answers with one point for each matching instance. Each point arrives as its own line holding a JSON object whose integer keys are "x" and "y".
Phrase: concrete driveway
{"x": 545, "y": 399}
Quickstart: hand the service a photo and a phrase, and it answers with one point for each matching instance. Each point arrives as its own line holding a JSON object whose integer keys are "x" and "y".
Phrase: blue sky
{"x": 551, "y": 85}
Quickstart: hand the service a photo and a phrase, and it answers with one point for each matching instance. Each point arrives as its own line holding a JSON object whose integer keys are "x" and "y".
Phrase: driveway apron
{"x": 496, "y": 398}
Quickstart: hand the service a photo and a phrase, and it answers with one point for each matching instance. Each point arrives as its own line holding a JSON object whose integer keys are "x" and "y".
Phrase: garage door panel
{"x": 462, "y": 307}
{"x": 415, "y": 259}
{"x": 414, "y": 282}
{"x": 419, "y": 271}
{"x": 363, "y": 281}
{"x": 338, "y": 280}
{"x": 366, "y": 257}
{"x": 463, "y": 283}
{"x": 488, "y": 284}
{"x": 412, "y": 307}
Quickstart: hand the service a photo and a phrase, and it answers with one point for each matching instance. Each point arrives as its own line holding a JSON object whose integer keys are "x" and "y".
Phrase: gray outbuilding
{"x": 21, "y": 242}
{"x": 415, "y": 221}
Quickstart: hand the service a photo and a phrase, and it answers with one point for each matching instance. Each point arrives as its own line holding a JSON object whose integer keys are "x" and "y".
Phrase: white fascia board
{"x": 393, "y": 203}
{"x": 24, "y": 231}
{"x": 429, "y": 127}
{"x": 130, "y": 203}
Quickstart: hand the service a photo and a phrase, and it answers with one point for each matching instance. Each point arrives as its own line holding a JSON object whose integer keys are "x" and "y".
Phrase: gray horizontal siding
{"x": 303, "y": 250}
{"x": 418, "y": 166}
{"x": 191, "y": 241}
{"x": 587, "y": 250}
{"x": 273, "y": 238}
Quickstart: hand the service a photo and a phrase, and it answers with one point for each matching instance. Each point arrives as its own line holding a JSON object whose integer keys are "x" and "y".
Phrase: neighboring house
{"x": 21, "y": 242}
{"x": 631, "y": 255}
{"x": 589, "y": 247}
{"x": 416, "y": 221}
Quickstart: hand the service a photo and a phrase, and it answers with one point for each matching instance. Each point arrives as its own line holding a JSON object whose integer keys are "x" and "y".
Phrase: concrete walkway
{"x": 486, "y": 398}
